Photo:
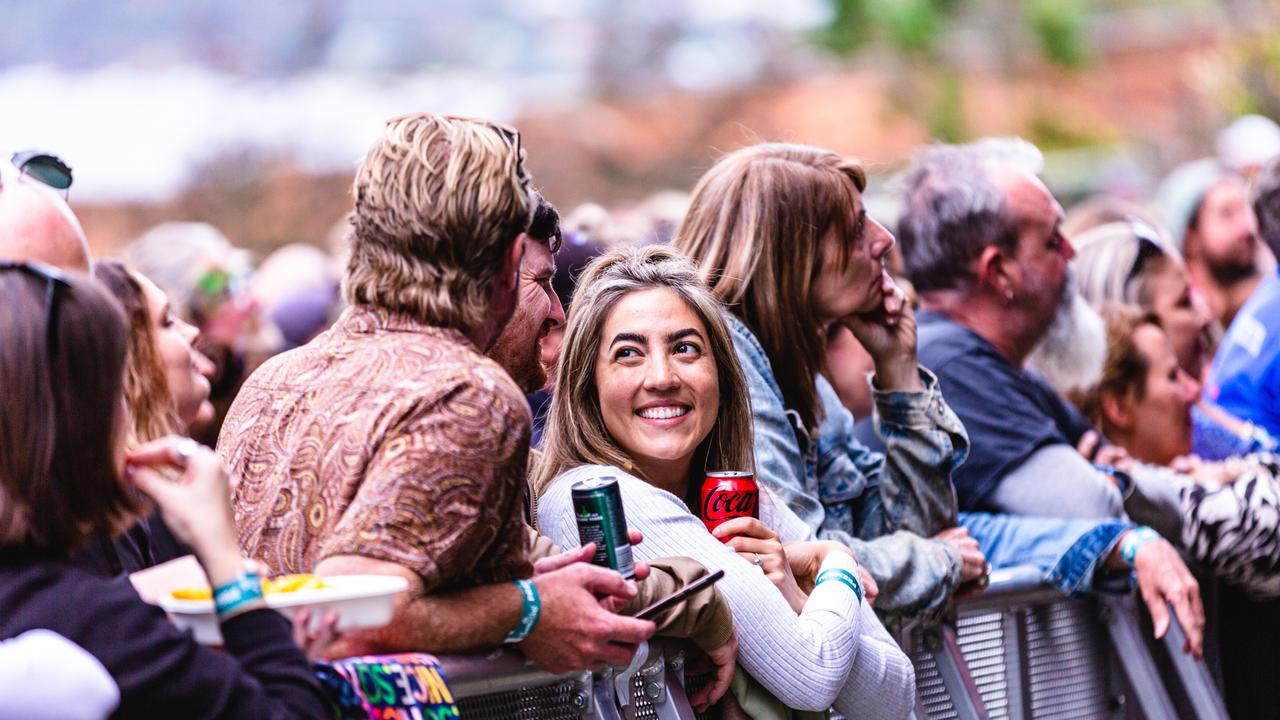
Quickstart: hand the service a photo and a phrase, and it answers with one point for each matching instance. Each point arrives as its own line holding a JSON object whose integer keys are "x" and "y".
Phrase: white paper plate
{"x": 361, "y": 601}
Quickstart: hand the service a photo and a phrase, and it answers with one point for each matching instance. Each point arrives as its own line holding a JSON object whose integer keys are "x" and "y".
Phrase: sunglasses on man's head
{"x": 45, "y": 167}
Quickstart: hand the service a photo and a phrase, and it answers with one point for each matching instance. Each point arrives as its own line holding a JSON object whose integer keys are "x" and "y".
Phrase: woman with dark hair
{"x": 63, "y": 346}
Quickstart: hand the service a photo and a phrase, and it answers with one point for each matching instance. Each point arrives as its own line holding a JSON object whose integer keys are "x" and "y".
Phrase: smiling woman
{"x": 658, "y": 388}
{"x": 649, "y": 392}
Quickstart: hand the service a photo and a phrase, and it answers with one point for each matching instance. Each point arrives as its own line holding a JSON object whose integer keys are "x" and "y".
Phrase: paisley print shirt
{"x": 384, "y": 438}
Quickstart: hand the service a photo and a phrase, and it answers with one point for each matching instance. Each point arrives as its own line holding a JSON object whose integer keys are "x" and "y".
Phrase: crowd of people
{"x": 972, "y": 391}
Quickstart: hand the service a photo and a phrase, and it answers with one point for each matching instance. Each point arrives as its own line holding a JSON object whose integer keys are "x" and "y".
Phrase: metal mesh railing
{"x": 1067, "y": 663}
{"x": 1018, "y": 651}
{"x": 557, "y": 701}
{"x": 1022, "y": 651}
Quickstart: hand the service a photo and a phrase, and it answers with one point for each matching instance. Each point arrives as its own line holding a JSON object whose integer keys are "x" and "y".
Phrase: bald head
{"x": 36, "y": 224}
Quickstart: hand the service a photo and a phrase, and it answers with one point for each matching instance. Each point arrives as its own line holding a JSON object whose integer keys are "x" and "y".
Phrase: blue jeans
{"x": 1067, "y": 550}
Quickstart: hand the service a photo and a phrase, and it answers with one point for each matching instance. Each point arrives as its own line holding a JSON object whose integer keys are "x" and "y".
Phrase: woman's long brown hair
{"x": 754, "y": 229}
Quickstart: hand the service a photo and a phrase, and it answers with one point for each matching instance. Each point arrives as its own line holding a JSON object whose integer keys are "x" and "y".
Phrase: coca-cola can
{"x": 727, "y": 494}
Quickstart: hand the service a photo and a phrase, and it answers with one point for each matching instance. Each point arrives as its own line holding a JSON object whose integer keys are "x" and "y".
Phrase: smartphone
{"x": 691, "y": 589}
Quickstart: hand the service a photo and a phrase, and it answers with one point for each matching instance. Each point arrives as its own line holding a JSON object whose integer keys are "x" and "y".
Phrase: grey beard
{"x": 1073, "y": 350}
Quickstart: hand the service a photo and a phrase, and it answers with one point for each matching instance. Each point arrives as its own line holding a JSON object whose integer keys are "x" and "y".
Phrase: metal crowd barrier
{"x": 1019, "y": 650}
{"x": 504, "y": 686}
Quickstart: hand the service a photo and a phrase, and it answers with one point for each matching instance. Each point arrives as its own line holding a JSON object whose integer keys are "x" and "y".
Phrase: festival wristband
{"x": 530, "y": 611}
{"x": 1134, "y": 541}
{"x": 244, "y": 589}
{"x": 842, "y": 576}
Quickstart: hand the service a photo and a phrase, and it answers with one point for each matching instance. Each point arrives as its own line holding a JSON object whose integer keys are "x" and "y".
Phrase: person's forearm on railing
{"x": 444, "y": 623}
{"x": 573, "y": 631}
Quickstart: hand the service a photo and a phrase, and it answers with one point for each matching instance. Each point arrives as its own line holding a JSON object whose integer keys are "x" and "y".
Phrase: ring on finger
{"x": 185, "y": 450}
{"x": 759, "y": 561}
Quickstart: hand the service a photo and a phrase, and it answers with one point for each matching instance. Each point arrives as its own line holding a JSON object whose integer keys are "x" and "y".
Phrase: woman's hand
{"x": 806, "y": 558}
{"x": 724, "y": 659}
{"x": 973, "y": 564}
{"x": 758, "y": 545}
{"x": 190, "y": 485}
{"x": 1223, "y": 472}
{"x": 889, "y": 335}
{"x": 314, "y": 641}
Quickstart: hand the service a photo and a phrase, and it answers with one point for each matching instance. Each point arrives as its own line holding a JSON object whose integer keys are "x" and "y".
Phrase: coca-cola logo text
{"x": 723, "y": 504}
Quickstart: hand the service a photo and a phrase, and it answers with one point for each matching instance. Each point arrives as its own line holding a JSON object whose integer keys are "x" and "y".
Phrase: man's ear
{"x": 992, "y": 271}
{"x": 511, "y": 260}
{"x": 1118, "y": 410}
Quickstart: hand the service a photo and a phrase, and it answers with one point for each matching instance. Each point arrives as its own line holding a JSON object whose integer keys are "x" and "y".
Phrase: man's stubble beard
{"x": 521, "y": 359}
{"x": 528, "y": 372}
{"x": 1230, "y": 272}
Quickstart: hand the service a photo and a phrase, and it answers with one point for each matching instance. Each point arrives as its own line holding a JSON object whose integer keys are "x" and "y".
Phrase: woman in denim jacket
{"x": 780, "y": 234}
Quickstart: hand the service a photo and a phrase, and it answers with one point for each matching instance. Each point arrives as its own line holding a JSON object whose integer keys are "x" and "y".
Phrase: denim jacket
{"x": 884, "y": 507}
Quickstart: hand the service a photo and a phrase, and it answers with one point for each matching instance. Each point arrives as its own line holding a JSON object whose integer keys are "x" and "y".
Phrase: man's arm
{"x": 1056, "y": 481}
{"x": 1156, "y": 499}
{"x": 573, "y": 633}
{"x": 455, "y": 622}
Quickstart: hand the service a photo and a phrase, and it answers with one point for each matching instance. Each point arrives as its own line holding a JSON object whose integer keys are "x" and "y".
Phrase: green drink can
{"x": 597, "y": 504}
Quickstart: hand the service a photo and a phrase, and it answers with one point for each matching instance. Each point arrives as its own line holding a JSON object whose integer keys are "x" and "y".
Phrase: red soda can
{"x": 727, "y": 494}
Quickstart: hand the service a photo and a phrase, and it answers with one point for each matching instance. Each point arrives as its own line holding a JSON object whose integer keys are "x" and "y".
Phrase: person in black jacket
{"x": 63, "y": 481}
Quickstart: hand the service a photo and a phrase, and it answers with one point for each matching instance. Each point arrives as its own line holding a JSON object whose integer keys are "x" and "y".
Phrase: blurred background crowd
{"x": 214, "y": 142}
{"x": 251, "y": 117}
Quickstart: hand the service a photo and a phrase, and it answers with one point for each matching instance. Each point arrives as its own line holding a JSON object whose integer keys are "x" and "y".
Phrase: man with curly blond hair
{"x": 390, "y": 444}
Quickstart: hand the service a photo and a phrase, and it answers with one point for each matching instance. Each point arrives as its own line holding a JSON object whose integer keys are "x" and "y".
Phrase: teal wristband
{"x": 530, "y": 611}
{"x": 245, "y": 588}
{"x": 1134, "y": 541}
{"x": 843, "y": 576}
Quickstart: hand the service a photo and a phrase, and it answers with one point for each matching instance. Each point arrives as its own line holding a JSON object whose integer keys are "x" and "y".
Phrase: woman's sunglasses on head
{"x": 56, "y": 283}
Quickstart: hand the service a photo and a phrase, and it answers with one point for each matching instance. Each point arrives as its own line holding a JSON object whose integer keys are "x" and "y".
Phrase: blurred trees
{"x": 934, "y": 45}
{"x": 929, "y": 38}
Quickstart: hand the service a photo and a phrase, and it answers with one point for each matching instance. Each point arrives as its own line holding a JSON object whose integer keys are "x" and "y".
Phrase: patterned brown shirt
{"x": 383, "y": 438}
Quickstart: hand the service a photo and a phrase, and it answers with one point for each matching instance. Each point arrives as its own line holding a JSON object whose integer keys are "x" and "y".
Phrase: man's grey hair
{"x": 954, "y": 206}
{"x": 1266, "y": 203}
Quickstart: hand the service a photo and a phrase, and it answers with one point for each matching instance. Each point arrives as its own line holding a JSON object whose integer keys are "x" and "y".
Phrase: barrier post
{"x": 1202, "y": 692}
{"x": 1120, "y": 615}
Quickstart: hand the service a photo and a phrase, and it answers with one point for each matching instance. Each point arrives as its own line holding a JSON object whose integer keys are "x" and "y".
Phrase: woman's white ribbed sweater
{"x": 834, "y": 654}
